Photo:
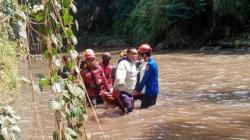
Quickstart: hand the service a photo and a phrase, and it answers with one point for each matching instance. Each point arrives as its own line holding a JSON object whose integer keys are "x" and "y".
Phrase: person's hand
{"x": 111, "y": 90}
{"x": 136, "y": 93}
{"x": 121, "y": 83}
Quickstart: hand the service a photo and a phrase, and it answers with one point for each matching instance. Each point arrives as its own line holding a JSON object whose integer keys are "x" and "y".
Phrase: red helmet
{"x": 89, "y": 53}
{"x": 144, "y": 48}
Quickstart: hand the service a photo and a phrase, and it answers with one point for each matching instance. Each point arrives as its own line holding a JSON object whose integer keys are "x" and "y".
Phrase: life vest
{"x": 94, "y": 80}
{"x": 108, "y": 73}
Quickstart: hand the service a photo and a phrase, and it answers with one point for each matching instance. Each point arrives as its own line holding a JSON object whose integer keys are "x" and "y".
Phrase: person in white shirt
{"x": 126, "y": 78}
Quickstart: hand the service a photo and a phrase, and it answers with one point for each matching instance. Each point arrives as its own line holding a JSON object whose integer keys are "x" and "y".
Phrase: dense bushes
{"x": 9, "y": 32}
{"x": 8, "y": 66}
{"x": 173, "y": 21}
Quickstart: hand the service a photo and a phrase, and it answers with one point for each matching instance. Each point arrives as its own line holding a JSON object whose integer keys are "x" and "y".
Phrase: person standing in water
{"x": 147, "y": 86}
{"x": 94, "y": 78}
{"x": 107, "y": 68}
{"x": 125, "y": 79}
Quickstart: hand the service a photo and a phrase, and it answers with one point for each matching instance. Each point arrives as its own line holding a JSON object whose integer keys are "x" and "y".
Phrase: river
{"x": 202, "y": 97}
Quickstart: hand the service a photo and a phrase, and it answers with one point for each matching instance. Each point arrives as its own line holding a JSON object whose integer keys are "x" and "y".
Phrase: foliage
{"x": 57, "y": 30}
{"x": 237, "y": 8}
{"x": 152, "y": 19}
{"x": 171, "y": 21}
{"x": 9, "y": 82}
{"x": 8, "y": 123}
{"x": 122, "y": 10}
{"x": 231, "y": 16}
{"x": 94, "y": 15}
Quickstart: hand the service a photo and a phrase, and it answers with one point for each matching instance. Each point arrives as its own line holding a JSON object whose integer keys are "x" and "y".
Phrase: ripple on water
{"x": 235, "y": 138}
{"x": 241, "y": 93}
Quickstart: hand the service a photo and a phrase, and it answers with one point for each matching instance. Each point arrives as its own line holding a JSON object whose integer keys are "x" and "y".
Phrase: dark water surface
{"x": 202, "y": 97}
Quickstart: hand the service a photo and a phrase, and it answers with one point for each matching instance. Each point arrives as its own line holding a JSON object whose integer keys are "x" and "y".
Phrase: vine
{"x": 52, "y": 23}
{"x": 56, "y": 30}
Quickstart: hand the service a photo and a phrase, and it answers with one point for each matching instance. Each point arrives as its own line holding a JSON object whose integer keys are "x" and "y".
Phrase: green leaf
{"x": 16, "y": 131}
{"x": 69, "y": 33}
{"x": 11, "y": 120}
{"x": 56, "y": 88}
{"x": 65, "y": 94}
{"x": 15, "y": 116}
{"x": 4, "y": 132}
{"x": 67, "y": 18}
{"x": 77, "y": 25}
{"x": 1, "y": 137}
{"x": 67, "y": 136}
{"x": 74, "y": 40}
{"x": 77, "y": 112}
{"x": 75, "y": 90}
{"x": 46, "y": 53}
{"x": 70, "y": 132}
{"x": 55, "y": 105}
{"x": 44, "y": 82}
{"x": 57, "y": 79}
{"x": 21, "y": 14}
{"x": 68, "y": 113}
{"x": 58, "y": 64}
{"x": 1, "y": 121}
{"x": 54, "y": 39}
{"x": 73, "y": 54}
{"x": 39, "y": 16}
{"x": 66, "y": 3}
{"x": 37, "y": 89}
{"x": 21, "y": 28}
{"x": 57, "y": 4}
{"x": 73, "y": 8}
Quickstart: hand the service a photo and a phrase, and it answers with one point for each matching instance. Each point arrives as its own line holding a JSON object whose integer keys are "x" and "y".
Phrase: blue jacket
{"x": 150, "y": 79}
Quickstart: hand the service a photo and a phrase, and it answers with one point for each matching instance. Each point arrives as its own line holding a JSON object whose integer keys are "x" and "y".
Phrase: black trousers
{"x": 147, "y": 101}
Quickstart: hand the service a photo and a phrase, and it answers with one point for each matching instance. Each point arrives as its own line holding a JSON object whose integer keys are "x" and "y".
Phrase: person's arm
{"x": 84, "y": 79}
{"x": 148, "y": 71}
{"x": 105, "y": 81}
{"x": 121, "y": 73}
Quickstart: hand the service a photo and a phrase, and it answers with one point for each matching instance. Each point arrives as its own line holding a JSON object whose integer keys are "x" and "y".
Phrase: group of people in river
{"x": 135, "y": 78}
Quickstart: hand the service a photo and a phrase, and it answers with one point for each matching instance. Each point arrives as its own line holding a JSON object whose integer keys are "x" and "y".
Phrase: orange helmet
{"x": 89, "y": 53}
{"x": 144, "y": 48}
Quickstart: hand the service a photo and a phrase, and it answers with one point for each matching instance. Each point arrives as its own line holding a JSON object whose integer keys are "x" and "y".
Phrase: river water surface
{"x": 202, "y": 97}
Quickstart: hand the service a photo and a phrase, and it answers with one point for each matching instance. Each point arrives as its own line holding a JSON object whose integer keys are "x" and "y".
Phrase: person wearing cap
{"x": 147, "y": 86}
{"x": 125, "y": 79}
{"x": 94, "y": 78}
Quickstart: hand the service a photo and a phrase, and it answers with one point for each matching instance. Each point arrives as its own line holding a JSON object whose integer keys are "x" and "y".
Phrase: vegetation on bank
{"x": 9, "y": 82}
{"x": 167, "y": 23}
{"x": 9, "y": 78}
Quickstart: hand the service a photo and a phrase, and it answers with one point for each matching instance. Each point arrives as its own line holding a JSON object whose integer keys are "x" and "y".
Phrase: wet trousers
{"x": 127, "y": 100}
{"x": 146, "y": 100}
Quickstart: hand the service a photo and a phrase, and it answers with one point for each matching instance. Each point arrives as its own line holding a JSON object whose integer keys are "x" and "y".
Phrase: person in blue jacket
{"x": 147, "y": 87}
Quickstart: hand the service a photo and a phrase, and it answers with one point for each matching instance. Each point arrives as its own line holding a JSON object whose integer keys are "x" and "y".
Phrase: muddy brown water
{"x": 202, "y": 97}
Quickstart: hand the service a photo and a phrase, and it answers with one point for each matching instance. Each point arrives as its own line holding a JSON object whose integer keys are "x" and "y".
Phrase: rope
{"x": 81, "y": 80}
{"x": 34, "y": 105}
{"x": 92, "y": 107}
{"x": 6, "y": 18}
